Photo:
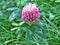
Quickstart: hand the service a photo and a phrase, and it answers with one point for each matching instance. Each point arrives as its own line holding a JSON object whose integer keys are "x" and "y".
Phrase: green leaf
{"x": 21, "y": 23}
{"x": 40, "y": 40}
{"x": 51, "y": 16}
{"x": 8, "y": 41}
{"x": 15, "y": 24}
{"x": 57, "y": 1}
{"x": 13, "y": 28}
{"x": 1, "y": 15}
{"x": 12, "y": 8}
{"x": 13, "y": 15}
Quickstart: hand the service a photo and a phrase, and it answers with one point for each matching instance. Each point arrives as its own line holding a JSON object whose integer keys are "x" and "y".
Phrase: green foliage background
{"x": 13, "y": 31}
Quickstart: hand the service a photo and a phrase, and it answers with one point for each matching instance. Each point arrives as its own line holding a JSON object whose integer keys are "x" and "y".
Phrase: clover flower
{"x": 30, "y": 13}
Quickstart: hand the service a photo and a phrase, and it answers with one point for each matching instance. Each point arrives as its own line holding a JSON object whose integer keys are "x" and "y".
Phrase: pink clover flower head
{"x": 30, "y": 13}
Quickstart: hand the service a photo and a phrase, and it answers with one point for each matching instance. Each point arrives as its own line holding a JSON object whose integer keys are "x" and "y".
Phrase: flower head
{"x": 30, "y": 13}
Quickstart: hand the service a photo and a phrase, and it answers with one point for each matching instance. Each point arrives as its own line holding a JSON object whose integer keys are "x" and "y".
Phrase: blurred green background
{"x": 10, "y": 16}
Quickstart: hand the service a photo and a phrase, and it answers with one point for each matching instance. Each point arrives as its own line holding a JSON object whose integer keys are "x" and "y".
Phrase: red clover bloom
{"x": 30, "y": 13}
